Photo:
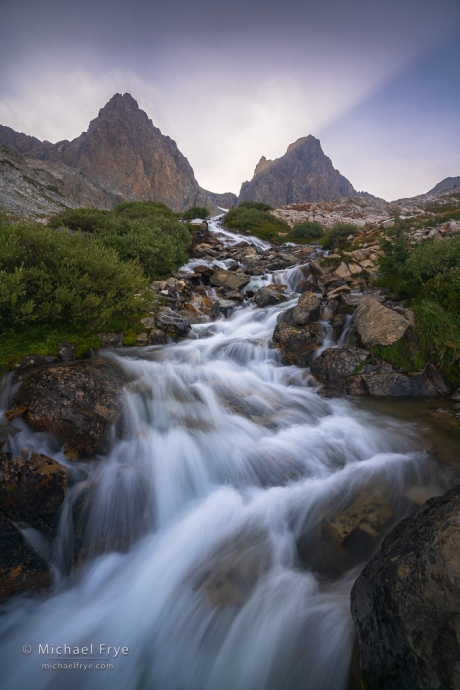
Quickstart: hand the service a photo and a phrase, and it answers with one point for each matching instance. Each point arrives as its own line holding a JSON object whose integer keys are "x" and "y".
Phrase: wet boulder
{"x": 338, "y": 362}
{"x": 406, "y": 602}
{"x": 77, "y": 402}
{"x": 306, "y": 309}
{"x": 32, "y": 491}
{"x": 8, "y": 431}
{"x": 31, "y": 495}
{"x": 298, "y": 343}
{"x": 350, "y": 370}
{"x": 230, "y": 279}
{"x": 267, "y": 296}
{"x": 173, "y": 323}
{"x": 378, "y": 325}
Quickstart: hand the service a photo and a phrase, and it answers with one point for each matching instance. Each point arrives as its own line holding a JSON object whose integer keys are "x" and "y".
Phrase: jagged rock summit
{"x": 303, "y": 174}
{"x": 122, "y": 155}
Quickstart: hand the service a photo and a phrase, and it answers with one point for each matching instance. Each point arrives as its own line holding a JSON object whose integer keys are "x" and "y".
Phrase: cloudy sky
{"x": 377, "y": 82}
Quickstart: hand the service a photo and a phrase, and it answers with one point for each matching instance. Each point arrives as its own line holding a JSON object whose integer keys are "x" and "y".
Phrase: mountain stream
{"x": 215, "y": 551}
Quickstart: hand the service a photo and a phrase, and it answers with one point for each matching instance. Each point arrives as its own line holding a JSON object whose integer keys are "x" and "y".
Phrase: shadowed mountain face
{"x": 445, "y": 184}
{"x": 303, "y": 174}
{"x": 123, "y": 154}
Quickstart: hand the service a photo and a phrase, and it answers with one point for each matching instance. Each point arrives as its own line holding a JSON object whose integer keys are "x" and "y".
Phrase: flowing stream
{"x": 205, "y": 531}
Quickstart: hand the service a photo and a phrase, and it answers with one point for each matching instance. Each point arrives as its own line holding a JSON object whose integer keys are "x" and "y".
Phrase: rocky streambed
{"x": 208, "y": 497}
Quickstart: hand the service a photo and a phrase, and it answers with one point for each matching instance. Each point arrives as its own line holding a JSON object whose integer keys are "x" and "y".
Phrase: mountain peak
{"x": 123, "y": 104}
{"x": 303, "y": 142}
{"x": 303, "y": 174}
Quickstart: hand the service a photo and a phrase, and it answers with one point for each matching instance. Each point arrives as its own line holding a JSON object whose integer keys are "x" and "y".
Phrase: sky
{"x": 377, "y": 82}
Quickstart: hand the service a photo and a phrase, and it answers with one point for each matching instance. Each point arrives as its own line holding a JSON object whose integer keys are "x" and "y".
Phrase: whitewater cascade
{"x": 203, "y": 530}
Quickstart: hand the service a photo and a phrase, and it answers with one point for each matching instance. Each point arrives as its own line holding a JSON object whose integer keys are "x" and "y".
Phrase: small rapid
{"x": 201, "y": 542}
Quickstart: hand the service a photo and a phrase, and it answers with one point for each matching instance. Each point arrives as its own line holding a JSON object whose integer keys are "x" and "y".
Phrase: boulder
{"x": 350, "y": 370}
{"x": 267, "y": 296}
{"x": 35, "y": 361}
{"x": 231, "y": 279}
{"x": 78, "y": 402}
{"x": 158, "y": 337}
{"x": 31, "y": 495}
{"x": 338, "y": 362}
{"x": 111, "y": 340}
{"x": 298, "y": 343}
{"x": 406, "y": 602}
{"x": 171, "y": 322}
{"x": 32, "y": 491}
{"x": 378, "y": 325}
{"x": 342, "y": 271}
{"x": 306, "y": 309}
{"x": 66, "y": 351}
{"x": 8, "y": 430}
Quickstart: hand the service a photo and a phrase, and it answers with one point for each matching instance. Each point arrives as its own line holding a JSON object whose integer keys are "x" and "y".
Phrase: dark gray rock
{"x": 66, "y": 351}
{"x": 267, "y": 296}
{"x": 111, "y": 340}
{"x": 306, "y": 309}
{"x": 7, "y": 431}
{"x": 77, "y": 402}
{"x": 406, "y": 602}
{"x": 174, "y": 323}
{"x": 31, "y": 495}
{"x": 35, "y": 361}
{"x": 338, "y": 362}
{"x": 231, "y": 279}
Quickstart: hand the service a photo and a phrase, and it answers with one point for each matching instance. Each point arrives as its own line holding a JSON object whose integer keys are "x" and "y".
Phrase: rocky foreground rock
{"x": 350, "y": 370}
{"x": 406, "y": 603}
{"x": 79, "y": 403}
{"x": 32, "y": 491}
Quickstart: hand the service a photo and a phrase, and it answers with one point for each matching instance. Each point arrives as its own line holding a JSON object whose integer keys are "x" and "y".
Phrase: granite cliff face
{"x": 303, "y": 174}
{"x": 122, "y": 157}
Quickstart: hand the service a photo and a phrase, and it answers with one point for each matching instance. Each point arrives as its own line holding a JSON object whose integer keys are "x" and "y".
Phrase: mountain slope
{"x": 303, "y": 174}
{"x": 445, "y": 184}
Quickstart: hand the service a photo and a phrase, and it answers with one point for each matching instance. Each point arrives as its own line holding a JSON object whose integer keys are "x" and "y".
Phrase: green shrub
{"x": 64, "y": 280}
{"x": 336, "y": 237}
{"x": 147, "y": 232}
{"x": 258, "y": 205}
{"x": 308, "y": 228}
{"x": 438, "y": 330}
{"x": 256, "y": 221}
{"x": 194, "y": 212}
{"x": 143, "y": 209}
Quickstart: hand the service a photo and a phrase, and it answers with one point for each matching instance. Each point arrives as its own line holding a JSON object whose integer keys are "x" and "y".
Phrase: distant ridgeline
{"x": 124, "y": 157}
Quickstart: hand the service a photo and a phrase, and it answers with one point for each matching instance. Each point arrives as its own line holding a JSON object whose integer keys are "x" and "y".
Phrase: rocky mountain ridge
{"x": 121, "y": 157}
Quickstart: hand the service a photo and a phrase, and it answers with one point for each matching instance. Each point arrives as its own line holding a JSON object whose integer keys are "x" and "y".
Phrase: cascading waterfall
{"x": 202, "y": 533}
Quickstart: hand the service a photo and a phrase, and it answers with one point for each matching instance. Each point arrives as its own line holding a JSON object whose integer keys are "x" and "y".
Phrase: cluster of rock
{"x": 370, "y": 213}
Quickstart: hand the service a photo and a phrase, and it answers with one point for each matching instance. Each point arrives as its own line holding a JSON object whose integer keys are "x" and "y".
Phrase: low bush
{"x": 147, "y": 232}
{"x": 428, "y": 274}
{"x": 64, "y": 280}
{"x": 337, "y": 236}
{"x": 254, "y": 218}
{"x": 308, "y": 229}
{"x": 194, "y": 212}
